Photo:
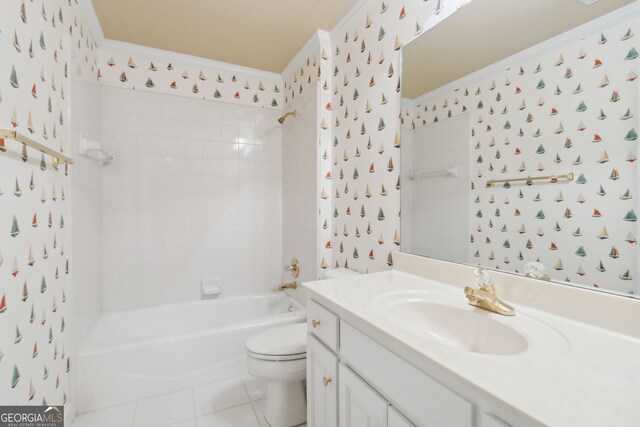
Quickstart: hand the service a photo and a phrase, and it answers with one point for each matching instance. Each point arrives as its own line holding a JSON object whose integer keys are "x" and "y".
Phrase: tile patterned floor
{"x": 235, "y": 402}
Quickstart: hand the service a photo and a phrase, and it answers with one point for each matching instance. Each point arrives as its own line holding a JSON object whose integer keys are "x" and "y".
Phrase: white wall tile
{"x": 184, "y": 207}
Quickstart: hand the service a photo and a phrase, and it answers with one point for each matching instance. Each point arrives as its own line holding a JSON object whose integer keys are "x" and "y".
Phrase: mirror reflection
{"x": 519, "y": 141}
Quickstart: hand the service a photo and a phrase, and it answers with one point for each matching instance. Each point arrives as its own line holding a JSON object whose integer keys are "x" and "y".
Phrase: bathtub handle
{"x": 326, "y": 381}
{"x": 315, "y": 323}
{"x": 293, "y": 268}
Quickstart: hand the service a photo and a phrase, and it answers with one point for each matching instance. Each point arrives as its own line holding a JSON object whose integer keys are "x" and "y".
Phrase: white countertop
{"x": 589, "y": 378}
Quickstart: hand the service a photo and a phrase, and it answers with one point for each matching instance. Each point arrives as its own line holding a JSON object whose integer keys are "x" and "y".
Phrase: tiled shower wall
{"x": 194, "y": 194}
{"x": 85, "y": 186}
{"x": 439, "y": 215}
{"x": 300, "y": 187}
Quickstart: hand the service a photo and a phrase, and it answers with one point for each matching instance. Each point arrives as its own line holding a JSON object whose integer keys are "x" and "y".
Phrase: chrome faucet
{"x": 485, "y": 296}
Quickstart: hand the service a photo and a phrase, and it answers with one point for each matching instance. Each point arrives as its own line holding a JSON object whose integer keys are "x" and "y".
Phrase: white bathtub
{"x": 140, "y": 353}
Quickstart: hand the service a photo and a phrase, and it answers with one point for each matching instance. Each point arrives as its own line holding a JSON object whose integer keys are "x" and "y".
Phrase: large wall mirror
{"x": 519, "y": 140}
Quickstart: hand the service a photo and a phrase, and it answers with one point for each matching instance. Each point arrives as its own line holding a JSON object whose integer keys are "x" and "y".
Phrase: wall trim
{"x": 189, "y": 60}
{"x": 622, "y": 15}
{"x": 313, "y": 44}
{"x": 348, "y": 20}
{"x": 92, "y": 21}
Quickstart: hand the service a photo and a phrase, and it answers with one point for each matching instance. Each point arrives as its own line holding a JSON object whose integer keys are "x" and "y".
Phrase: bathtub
{"x": 135, "y": 354}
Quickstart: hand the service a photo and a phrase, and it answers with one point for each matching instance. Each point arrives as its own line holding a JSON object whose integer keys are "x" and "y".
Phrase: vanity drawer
{"x": 323, "y": 324}
{"x": 422, "y": 399}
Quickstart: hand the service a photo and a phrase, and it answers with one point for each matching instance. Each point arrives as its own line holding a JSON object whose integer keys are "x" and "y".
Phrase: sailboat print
{"x": 630, "y": 216}
{"x": 614, "y": 253}
{"x": 603, "y": 234}
{"x": 15, "y": 270}
{"x": 626, "y": 195}
{"x": 626, "y": 276}
{"x": 32, "y": 390}
{"x": 30, "y": 259}
{"x": 18, "y": 335}
{"x": 15, "y": 229}
{"x": 16, "y": 376}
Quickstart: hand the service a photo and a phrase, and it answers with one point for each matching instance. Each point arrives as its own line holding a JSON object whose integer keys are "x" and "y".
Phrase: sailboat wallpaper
{"x": 192, "y": 197}
{"x": 37, "y": 40}
{"x": 538, "y": 118}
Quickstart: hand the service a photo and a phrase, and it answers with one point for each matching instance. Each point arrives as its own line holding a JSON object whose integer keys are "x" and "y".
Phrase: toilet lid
{"x": 280, "y": 341}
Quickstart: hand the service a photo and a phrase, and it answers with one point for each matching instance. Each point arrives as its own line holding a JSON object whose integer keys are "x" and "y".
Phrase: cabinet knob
{"x": 326, "y": 381}
{"x": 315, "y": 323}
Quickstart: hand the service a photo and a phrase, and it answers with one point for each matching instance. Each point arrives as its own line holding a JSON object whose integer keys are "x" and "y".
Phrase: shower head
{"x": 283, "y": 118}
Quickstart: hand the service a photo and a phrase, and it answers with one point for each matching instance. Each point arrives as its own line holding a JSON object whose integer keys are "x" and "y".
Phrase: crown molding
{"x": 189, "y": 60}
{"x": 92, "y": 21}
{"x": 312, "y": 45}
{"x": 620, "y": 16}
{"x": 349, "y": 19}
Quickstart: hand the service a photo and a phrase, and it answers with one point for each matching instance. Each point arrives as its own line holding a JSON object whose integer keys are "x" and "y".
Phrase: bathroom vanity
{"x": 404, "y": 348}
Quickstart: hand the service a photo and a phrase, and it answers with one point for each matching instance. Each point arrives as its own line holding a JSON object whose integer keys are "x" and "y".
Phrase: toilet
{"x": 279, "y": 356}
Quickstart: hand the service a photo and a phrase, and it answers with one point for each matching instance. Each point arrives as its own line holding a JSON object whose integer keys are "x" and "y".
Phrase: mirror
{"x": 519, "y": 140}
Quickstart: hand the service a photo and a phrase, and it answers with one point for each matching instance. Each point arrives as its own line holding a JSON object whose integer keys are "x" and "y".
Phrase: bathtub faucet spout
{"x": 291, "y": 285}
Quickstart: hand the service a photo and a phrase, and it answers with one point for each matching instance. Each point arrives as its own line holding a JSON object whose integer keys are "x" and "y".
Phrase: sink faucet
{"x": 485, "y": 297}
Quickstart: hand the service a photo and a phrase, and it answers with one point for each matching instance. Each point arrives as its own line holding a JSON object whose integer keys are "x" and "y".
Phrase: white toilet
{"x": 279, "y": 356}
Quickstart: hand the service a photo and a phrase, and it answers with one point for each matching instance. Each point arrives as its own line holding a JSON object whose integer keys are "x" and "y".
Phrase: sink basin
{"x": 449, "y": 320}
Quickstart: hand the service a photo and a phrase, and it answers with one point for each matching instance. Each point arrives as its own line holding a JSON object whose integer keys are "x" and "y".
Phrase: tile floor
{"x": 235, "y": 402}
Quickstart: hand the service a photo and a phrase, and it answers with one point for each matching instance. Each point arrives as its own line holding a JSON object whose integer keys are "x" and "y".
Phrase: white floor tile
{"x": 258, "y": 406}
{"x": 121, "y": 415}
{"x": 188, "y": 423}
{"x": 165, "y": 410}
{"x": 219, "y": 395}
{"x": 256, "y": 387}
{"x": 238, "y": 416}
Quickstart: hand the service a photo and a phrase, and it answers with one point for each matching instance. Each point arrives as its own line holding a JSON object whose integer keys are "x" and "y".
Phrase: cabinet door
{"x": 489, "y": 420}
{"x": 322, "y": 387}
{"x": 396, "y": 419}
{"x": 360, "y": 405}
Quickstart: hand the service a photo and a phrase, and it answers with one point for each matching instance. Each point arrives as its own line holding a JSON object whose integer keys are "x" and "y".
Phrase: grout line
{"x": 195, "y": 409}
{"x": 135, "y": 410}
{"x": 255, "y": 413}
{"x": 246, "y": 390}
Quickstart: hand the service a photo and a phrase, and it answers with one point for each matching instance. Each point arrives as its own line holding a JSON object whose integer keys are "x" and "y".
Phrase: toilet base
{"x": 286, "y": 404}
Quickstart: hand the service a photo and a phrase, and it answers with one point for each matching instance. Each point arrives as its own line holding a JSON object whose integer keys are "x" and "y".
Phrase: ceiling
{"x": 485, "y": 32}
{"x": 262, "y": 34}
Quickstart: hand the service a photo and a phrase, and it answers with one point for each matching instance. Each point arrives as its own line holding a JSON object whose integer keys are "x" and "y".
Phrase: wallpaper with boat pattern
{"x": 315, "y": 72}
{"x": 132, "y": 71}
{"x": 571, "y": 110}
{"x": 365, "y": 84}
{"x": 37, "y": 38}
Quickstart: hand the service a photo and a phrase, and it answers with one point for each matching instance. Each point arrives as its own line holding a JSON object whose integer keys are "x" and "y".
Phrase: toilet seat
{"x": 280, "y": 343}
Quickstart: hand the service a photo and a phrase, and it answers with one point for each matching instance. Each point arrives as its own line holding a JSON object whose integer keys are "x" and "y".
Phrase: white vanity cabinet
{"x": 359, "y": 405}
{"x": 355, "y": 381}
{"x": 396, "y": 419}
{"x": 322, "y": 384}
